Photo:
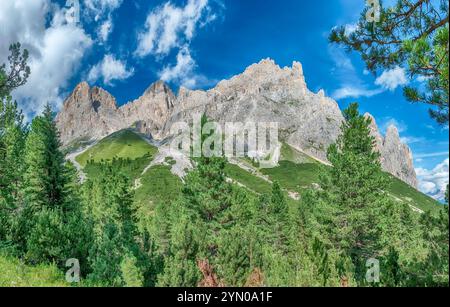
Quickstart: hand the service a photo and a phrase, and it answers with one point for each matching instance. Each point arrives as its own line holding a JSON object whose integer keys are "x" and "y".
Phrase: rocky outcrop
{"x": 264, "y": 92}
{"x": 151, "y": 111}
{"x": 88, "y": 113}
{"x": 396, "y": 157}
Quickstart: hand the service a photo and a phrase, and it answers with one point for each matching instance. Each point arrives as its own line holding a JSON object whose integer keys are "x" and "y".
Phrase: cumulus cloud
{"x": 100, "y": 8}
{"x": 169, "y": 26}
{"x": 183, "y": 72}
{"x": 393, "y": 78}
{"x": 56, "y": 49}
{"x": 109, "y": 70}
{"x": 101, "y": 11}
{"x": 434, "y": 182}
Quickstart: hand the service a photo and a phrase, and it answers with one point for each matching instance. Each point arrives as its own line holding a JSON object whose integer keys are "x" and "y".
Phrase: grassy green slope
{"x": 122, "y": 144}
{"x": 411, "y": 196}
{"x": 14, "y": 273}
{"x": 295, "y": 177}
{"x": 156, "y": 185}
{"x": 296, "y": 172}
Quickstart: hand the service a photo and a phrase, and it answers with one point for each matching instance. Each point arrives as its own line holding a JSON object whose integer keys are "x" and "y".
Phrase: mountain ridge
{"x": 264, "y": 92}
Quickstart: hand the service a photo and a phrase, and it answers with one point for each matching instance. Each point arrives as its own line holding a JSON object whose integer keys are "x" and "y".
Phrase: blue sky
{"x": 125, "y": 45}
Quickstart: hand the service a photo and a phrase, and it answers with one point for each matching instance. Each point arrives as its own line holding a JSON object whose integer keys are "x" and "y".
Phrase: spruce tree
{"x": 52, "y": 226}
{"x": 12, "y": 138}
{"x": 12, "y": 143}
{"x": 353, "y": 191}
{"x": 108, "y": 199}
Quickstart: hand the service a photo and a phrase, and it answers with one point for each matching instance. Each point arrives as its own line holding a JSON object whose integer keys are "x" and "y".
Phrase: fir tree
{"x": 352, "y": 191}
{"x": 109, "y": 203}
{"x": 12, "y": 144}
{"x": 52, "y": 226}
{"x": 12, "y": 140}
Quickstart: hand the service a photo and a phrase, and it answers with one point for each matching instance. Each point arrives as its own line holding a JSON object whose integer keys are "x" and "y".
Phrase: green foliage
{"x": 44, "y": 175}
{"x": 252, "y": 182}
{"x": 295, "y": 177}
{"x": 130, "y": 228}
{"x": 131, "y": 274}
{"x": 412, "y": 35}
{"x": 352, "y": 193}
{"x": 12, "y": 144}
{"x": 157, "y": 185}
{"x": 109, "y": 203}
{"x": 15, "y": 273}
{"x": 12, "y": 140}
{"x": 50, "y": 226}
{"x": 18, "y": 71}
{"x": 131, "y": 168}
{"x": 180, "y": 266}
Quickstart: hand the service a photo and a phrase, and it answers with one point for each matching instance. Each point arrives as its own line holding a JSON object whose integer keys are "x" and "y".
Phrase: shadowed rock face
{"x": 264, "y": 92}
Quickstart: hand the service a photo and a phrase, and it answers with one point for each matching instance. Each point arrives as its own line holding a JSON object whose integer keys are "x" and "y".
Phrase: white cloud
{"x": 354, "y": 92}
{"x": 423, "y": 78}
{"x": 183, "y": 72}
{"x": 391, "y": 79}
{"x": 350, "y": 28}
{"x": 109, "y": 69}
{"x": 101, "y": 11}
{"x": 412, "y": 140}
{"x": 432, "y": 155}
{"x": 169, "y": 27}
{"x": 101, "y": 8}
{"x": 351, "y": 84}
{"x": 56, "y": 49}
{"x": 434, "y": 182}
{"x": 105, "y": 30}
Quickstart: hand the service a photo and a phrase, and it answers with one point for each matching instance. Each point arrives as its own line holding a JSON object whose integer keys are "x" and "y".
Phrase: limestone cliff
{"x": 264, "y": 92}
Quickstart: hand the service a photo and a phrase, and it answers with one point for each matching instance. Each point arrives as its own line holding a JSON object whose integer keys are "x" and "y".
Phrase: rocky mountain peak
{"x": 159, "y": 87}
{"x": 392, "y": 133}
{"x": 264, "y": 92}
{"x": 102, "y": 99}
{"x": 396, "y": 157}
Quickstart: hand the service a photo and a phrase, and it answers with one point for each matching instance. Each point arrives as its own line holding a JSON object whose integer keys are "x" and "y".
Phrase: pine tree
{"x": 180, "y": 266}
{"x": 411, "y": 34}
{"x": 12, "y": 140}
{"x": 239, "y": 253}
{"x": 51, "y": 225}
{"x": 12, "y": 143}
{"x": 108, "y": 199}
{"x": 434, "y": 271}
{"x": 44, "y": 174}
{"x": 18, "y": 71}
{"x": 352, "y": 191}
{"x": 279, "y": 213}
